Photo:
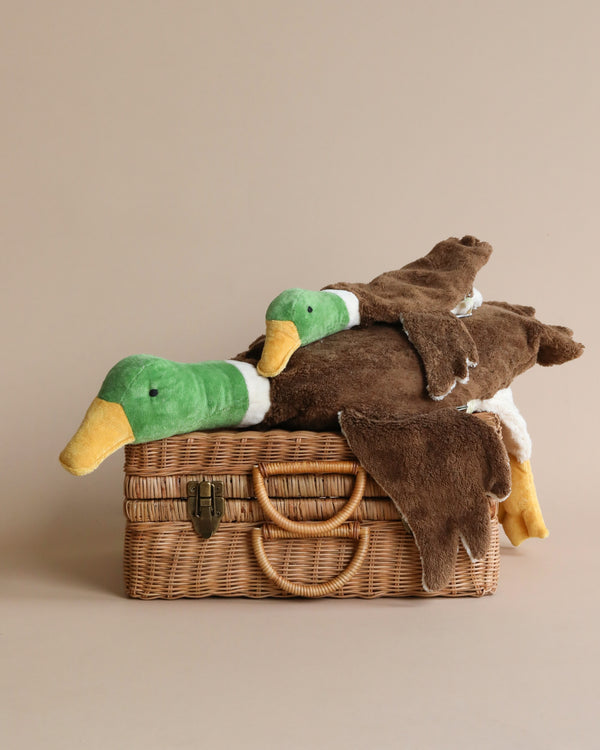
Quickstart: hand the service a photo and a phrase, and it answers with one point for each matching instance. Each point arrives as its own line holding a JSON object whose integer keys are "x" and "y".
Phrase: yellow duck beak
{"x": 105, "y": 428}
{"x": 281, "y": 341}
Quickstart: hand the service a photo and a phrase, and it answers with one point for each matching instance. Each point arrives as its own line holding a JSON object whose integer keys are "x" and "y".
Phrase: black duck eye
{"x": 309, "y": 308}
{"x": 153, "y": 392}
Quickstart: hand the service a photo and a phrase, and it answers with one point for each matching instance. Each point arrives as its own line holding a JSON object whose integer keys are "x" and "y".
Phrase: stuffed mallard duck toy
{"x": 437, "y": 462}
{"x": 428, "y": 297}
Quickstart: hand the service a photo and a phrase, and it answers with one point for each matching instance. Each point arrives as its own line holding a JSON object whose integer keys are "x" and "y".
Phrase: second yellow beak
{"x": 281, "y": 341}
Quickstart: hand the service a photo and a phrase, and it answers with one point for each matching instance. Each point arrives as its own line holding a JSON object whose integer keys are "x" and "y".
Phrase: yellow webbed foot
{"x": 520, "y": 514}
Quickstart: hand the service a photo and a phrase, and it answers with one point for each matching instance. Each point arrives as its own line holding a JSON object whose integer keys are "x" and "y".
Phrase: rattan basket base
{"x": 170, "y": 561}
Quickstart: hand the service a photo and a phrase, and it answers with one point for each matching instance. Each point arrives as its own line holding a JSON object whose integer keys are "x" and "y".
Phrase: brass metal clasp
{"x": 205, "y": 506}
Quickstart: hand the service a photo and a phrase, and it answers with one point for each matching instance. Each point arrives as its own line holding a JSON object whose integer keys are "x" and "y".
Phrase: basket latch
{"x": 205, "y": 506}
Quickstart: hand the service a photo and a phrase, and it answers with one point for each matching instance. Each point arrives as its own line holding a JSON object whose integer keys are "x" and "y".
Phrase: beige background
{"x": 167, "y": 168}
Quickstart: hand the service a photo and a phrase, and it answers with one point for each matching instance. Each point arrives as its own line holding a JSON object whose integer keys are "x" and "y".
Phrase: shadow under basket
{"x": 272, "y": 514}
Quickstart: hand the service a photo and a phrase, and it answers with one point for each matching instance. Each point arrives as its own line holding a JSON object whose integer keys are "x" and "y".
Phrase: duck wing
{"x": 436, "y": 282}
{"x": 445, "y": 346}
{"x": 440, "y": 470}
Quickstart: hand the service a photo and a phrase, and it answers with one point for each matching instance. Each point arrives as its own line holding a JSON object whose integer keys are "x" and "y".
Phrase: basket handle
{"x": 308, "y": 528}
{"x": 311, "y": 589}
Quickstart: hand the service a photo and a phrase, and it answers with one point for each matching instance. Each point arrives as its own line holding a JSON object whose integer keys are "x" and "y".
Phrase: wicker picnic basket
{"x": 271, "y": 514}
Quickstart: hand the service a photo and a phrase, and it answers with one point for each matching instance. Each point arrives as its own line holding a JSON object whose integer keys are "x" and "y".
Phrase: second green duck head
{"x": 297, "y": 317}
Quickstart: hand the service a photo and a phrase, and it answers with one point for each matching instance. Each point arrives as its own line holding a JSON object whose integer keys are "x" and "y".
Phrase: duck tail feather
{"x": 557, "y": 346}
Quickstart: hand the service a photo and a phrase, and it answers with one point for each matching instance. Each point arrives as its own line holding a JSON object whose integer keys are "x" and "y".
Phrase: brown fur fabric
{"x": 440, "y": 480}
{"x": 422, "y": 294}
{"x": 437, "y": 465}
{"x": 445, "y": 346}
{"x": 436, "y": 283}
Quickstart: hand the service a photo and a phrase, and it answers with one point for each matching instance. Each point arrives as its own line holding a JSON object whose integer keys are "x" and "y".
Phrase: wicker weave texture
{"x": 249, "y": 511}
{"x": 169, "y": 561}
{"x": 239, "y": 486}
{"x": 230, "y": 452}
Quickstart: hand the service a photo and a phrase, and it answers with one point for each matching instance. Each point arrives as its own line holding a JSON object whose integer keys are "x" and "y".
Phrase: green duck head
{"x": 295, "y": 318}
{"x": 147, "y": 398}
